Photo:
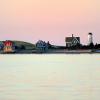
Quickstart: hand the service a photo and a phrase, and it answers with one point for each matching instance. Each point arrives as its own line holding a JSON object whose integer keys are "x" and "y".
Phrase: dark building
{"x": 41, "y": 46}
{"x": 1, "y": 45}
{"x": 72, "y": 41}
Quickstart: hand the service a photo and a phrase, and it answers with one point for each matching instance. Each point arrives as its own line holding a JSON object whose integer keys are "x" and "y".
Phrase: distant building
{"x": 41, "y": 46}
{"x": 72, "y": 41}
{"x": 1, "y": 45}
{"x": 90, "y": 38}
{"x": 8, "y": 46}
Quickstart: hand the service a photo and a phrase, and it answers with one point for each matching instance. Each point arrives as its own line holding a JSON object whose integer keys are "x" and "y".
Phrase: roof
{"x": 7, "y": 42}
{"x": 90, "y": 33}
{"x": 70, "y": 39}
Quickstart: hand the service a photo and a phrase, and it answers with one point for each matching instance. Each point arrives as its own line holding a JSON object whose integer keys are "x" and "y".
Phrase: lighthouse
{"x": 90, "y": 38}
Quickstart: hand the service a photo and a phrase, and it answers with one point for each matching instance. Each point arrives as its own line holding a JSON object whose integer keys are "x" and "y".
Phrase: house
{"x": 72, "y": 41}
{"x": 41, "y": 46}
{"x": 8, "y": 46}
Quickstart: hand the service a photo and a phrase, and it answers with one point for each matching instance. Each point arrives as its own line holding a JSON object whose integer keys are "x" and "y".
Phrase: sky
{"x": 49, "y": 20}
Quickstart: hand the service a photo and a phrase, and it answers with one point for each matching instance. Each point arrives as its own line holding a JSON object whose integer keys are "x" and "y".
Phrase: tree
{"x": 22, "y": 47}
{"x": 91, "y": 46}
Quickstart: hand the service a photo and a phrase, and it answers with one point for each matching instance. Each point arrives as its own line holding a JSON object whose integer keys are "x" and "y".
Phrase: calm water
{"x": 50, "y": 77}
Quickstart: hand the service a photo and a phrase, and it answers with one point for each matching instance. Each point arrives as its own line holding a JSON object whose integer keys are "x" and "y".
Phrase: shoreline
{"x": 53, "y": 52}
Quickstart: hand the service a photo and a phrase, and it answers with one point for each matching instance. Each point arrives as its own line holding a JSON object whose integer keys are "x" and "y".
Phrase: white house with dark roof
{"x": 72, "y": 41}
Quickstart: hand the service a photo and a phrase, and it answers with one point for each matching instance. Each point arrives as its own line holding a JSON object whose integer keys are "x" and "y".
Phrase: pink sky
{"x": 49, "y": 20}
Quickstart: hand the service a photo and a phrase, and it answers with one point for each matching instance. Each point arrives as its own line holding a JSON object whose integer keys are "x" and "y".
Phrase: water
{"x": 50, "y": 77}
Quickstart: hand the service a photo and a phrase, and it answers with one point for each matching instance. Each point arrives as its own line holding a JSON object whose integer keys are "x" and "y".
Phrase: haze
{"x": 49, "y": 20}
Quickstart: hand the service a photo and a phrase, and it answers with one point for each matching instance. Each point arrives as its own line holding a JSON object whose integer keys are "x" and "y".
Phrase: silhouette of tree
{"x": 22, "y": 47}
{"x": 49, "y": 45}
{"x": 91, "y": 46}
{"x": 16, "y": 47}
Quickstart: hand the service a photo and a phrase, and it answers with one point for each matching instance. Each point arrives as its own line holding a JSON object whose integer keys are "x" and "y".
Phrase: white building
{"x": 90, "y": 38}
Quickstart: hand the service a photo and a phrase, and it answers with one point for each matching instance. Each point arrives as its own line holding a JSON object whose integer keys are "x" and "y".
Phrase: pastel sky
{"x": 49, "y": 20}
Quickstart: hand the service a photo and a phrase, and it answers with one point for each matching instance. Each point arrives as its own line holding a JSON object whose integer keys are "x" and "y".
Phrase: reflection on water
{"x": 49, "y": 77}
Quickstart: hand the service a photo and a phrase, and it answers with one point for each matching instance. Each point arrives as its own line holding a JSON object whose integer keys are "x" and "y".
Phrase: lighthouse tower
{"x": 90, "y": 38}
